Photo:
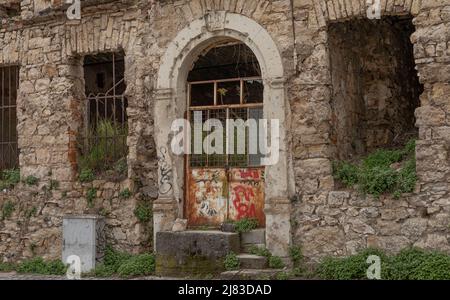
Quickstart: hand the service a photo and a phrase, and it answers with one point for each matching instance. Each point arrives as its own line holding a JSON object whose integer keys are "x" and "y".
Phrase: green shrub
{"x": 7, "y": 267}
{"x": 143, "y": 212}
{"x": 246, "y": 225}
{"x": 124, "y": 264}
{"x": 377, "y": 180}
{"x": 86, "y": 175}
{"x": 231, "y": 262}
{"x": 375, "y": 176}
{"x": 348, "y": 268}
{"x": 417, "y": 264}
{"x": 7, "y": 210}
{"x": 140, "y": 265}
{"x": 346, "y": 173}
{"x": 125, "y": 194}
{"x": 9, "y": 178}
{"x": 31, "y": 180}
{"x": 276, "y": 262}
{"x": 37, "y": 265}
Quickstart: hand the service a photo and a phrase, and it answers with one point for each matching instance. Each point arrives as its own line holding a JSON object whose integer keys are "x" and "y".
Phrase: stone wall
{"x": 35, "y": 225}
{"x": 49, "y": 48}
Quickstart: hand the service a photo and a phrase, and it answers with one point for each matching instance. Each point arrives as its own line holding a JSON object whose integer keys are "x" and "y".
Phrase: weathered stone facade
{"x": 299, "y": 88}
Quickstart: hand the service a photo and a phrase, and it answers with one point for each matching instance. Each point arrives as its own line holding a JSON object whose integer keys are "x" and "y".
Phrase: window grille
{"x": 105, "y": 132}
{"x": 9, "y": 82}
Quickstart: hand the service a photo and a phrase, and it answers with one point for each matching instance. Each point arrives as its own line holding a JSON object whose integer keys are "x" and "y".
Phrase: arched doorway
{"x": 170, "y": 104}
{"x": 224, "y": 171}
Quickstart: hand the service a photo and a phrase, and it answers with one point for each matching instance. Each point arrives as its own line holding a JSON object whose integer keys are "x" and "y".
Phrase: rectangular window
{"x": 9, "y": 82}
{"x": 104, "y": 142}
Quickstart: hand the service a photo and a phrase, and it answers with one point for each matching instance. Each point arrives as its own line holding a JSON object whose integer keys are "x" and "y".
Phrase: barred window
{"x": 105, "y": 131}
{"x": 9, "y": 81}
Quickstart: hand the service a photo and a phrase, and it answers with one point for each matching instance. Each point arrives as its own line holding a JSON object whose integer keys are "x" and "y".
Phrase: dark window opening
{"x": 9, "y": 82}
{"x": 375, "y": 85}
{"x": 105, "y": 132}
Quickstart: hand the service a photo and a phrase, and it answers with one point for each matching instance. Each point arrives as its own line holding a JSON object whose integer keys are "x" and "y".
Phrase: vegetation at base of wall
{"x": 125, "y": 265}
{"x": 125, "y": 194}
{"x": 90, "y": 197}
{"x": 347, "y": 268}
{"x": 86, "y": 175}
{"x": 139, "y": 265}
{"x": 377, "y": 173}
{"x": 231, "y": 262}
{"x": 107, "y": 149}
{"x": 7, "y": 210}
{"x": 245, "y": 225}
{"x": 9, "y": 178}
{"x": 409, "y": 264}
{"x": 7, "y": 267}
{"x": 143, "y": 211}
{"x": 275, "y": 262}
{"x": 37, "y": 265}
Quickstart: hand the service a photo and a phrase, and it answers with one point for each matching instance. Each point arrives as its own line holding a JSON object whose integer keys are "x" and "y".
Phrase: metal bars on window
{"x": 9, "y": 83}
{"x": 229, "y": 99}
{"x": 106, "y": 119}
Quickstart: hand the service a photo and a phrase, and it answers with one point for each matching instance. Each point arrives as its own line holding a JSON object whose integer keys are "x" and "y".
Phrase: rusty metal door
{"x": 224, "y": 187}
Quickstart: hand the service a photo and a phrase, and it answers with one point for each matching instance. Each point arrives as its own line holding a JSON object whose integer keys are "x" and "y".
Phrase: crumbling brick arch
{"x": 340, "y": 10}
{"x": 170, "y": 104}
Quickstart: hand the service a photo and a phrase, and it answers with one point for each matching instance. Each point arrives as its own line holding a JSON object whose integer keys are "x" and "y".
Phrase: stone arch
{"x": 170, "y": 104}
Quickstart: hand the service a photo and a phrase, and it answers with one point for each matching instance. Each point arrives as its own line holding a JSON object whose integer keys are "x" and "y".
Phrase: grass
{"x": 375, "y": 174}
{"x": 106, "y": 148}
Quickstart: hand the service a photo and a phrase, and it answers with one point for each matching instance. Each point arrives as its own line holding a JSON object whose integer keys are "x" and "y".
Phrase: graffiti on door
{"x": 207, "y": 201}
{"x": 247, "y": 195}
{"x": 217, "y": 195}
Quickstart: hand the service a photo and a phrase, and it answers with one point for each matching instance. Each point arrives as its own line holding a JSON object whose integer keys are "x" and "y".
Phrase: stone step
{"x": 251, "y": 274}
{"x": 250, "y": 261}
{"x": 246, "y": 248}
{"x": 256, "y": 236}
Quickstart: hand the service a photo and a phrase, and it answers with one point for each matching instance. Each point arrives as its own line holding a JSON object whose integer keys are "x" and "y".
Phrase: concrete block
{"x": 193, "y": 252}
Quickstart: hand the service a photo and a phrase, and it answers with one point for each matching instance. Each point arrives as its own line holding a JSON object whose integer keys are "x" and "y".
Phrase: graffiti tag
{"x": 165, "y": 171}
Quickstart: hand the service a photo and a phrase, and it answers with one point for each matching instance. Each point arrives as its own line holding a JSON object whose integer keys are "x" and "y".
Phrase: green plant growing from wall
{"x": 86, "y": 175}
{"x": 231, "y": 262}
{"x": 31, "y": 180}
{"x": 143, "y": 211}
{"x": 375, "y": 174}
{"x": 7, "y": 210}
{"x": 125, "y": 194}
{"x": 90, "y": 197}
{"x": 9, "y": 178}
